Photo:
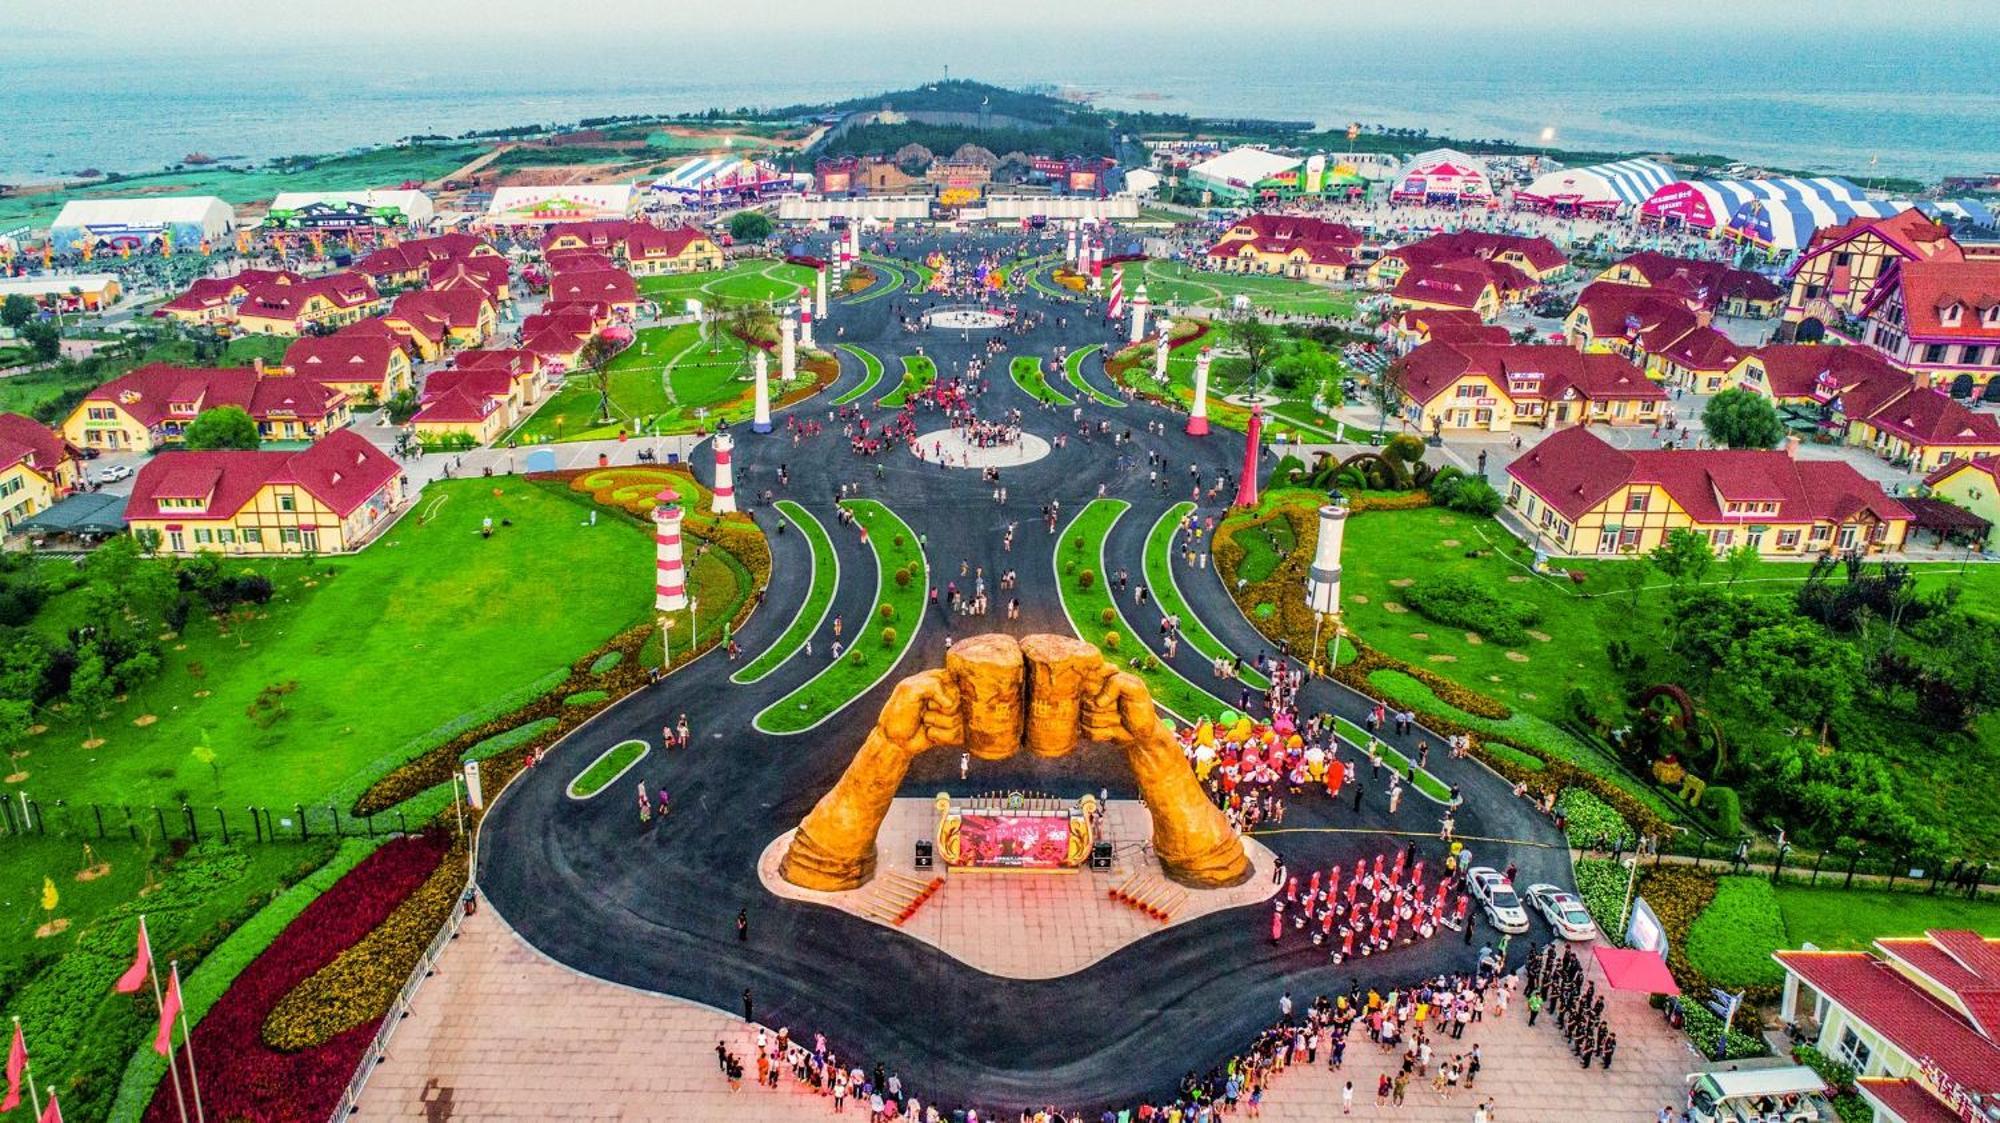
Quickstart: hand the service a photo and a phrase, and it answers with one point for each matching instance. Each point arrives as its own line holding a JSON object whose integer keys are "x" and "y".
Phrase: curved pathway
{"x": 654, "y": 906}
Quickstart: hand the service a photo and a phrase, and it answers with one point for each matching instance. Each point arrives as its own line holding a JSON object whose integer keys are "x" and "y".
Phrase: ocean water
{"x": 1887, "y": 101}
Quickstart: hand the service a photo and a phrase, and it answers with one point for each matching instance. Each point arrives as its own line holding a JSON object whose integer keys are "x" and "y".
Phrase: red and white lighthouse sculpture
{"x": 1116, "y": 308}
{"x": 725, "y": 475}
{"x": 1246, "y": 484}
{"x": 670, "y": 579}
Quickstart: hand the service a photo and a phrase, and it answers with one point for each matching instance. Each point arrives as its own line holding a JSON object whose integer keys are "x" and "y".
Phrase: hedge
{"x": 1732, "y": 940}
{"x": 585, "y": 698}
{"x": 205, "y": 985}
{"x": 1591, "y": 821}
{"x": 1601, "y": 883}
{"x": 1725, "y": 807}
{"x": 1703, "y": 1028}
{"x": 362, "y": 983}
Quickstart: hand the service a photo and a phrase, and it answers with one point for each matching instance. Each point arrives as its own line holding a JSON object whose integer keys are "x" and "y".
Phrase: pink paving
{"x": 503, "y": 1033}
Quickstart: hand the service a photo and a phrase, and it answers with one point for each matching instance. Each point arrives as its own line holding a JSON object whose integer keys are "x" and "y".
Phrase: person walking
{"x": 1534, "y": 1007}
{"x": 749, "y": 1009}
{"x": 743, "y": 927}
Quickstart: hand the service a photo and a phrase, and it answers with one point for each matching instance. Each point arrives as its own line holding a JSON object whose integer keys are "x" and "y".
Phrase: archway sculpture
{"x": 994, "y": 696}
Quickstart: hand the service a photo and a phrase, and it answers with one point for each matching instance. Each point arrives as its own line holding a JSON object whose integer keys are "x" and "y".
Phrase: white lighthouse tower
{"x": 1323, "y": 579}
{"x": 670, "y": 577}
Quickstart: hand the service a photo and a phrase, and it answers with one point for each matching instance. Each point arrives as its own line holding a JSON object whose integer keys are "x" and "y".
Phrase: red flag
{"x": 51, "y": 1113}
{"x": 163, "y": 1043}
{"x": 135, "y": 975}
{"x": 17, "y": 1063}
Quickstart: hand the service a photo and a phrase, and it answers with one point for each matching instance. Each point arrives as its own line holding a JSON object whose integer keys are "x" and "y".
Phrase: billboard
{"x": 1644, "y": 930}
{"x": 1014, "y": 841}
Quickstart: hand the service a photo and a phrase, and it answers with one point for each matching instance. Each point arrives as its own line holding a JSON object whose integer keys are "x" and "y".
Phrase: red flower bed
{"x": 244, "y": 1079}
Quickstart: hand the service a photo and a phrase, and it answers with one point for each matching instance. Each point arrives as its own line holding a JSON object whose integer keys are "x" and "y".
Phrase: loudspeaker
{"x": 924, "y": 852}
{"x": 1100, "y": 856}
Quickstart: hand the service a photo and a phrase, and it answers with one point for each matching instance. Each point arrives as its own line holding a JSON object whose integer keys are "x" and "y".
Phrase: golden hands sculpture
{"x": 994, "y": 696}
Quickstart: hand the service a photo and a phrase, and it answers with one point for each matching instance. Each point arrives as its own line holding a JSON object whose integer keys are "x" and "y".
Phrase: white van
{"x": 1791, "y": 1094}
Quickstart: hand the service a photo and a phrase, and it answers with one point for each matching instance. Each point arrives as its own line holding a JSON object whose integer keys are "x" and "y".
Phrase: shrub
{"x": 586, "y": 698}
{"x": 888, "y": 635}
{"x": 1107, "y": 615}
{"x": 1590, "y": 819}
{"x": 902, "y": 576}
{"x": 1087, "y": 578}
{"x": 1519, "y": 758}
{"x": 1732, "y": 940}
{"x": 857, "y": 657}
{"x": 886, "y": 611}
{"x": 1601, "y": 883}
{"x": 1839, "y": 1077}
{"x": 1111, "y": 640}
{"x": 1725, "y": 808}
{"x": 1463, "y": 602}
{"x": 896, "y": 541}
{"x": 606, "y": 661}
{"x": 1703, "y": 1028}
{"x": 1471, "y": 495}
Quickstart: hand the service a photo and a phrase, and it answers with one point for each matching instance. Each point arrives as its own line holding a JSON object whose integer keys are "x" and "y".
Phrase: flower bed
{"x": 361, "y": 984}
{"x": 1591, "y": 822}
{"x": 246, "y": 1079}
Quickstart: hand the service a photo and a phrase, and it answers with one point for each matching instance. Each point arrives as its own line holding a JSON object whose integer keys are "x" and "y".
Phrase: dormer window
{"x": 1948, "y": 314}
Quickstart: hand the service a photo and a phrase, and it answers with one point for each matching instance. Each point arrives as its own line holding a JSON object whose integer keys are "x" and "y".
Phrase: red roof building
{"x": 155, "y": 404}
{"x": 488, "y": 274}
{"x": 1918, "y": 1019}
{"x": 1705, "y": 286}
{"x": 278, "y": 308}
{"x": 213, "y": 300}
{"x": 1488, "y": 388}
{"x": 1536, "y": 259}
{"x": 1939, "y": 320}
{"x": 612, "y": 287}
{"x": 37, "y": 468}
{"x": 1292, "y": 245}
{"x": 365, "y": 365}
{"x": 328, "y": 498}
{"x": 1582, "y": 496}
{"x": 1836, "y": 275}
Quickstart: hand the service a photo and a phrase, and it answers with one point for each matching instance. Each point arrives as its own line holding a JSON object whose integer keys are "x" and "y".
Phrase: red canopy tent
{"x": 1633, "y": 969}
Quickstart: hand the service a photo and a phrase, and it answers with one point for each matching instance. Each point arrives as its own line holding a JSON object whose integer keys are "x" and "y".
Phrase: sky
{"x": 232, "y": 22}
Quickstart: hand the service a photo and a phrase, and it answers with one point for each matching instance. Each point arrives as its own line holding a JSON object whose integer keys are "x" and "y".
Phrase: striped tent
{"x": 1783, "y": 225}
{"x": 1709, "y": 204}
{"x": 706, "y": 177}
{"x": 1624, "y": 183}
{"x": 1972, "y": 212}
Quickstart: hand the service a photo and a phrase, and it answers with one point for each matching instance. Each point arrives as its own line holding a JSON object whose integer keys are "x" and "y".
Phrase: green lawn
{"x": 819, "y": 596}
{"x": 669, "y": 381}
{"x": 1073, "y": 367}
{"x": 609, "y": 765}
{"x": 1080, "y": 550}
{"x": 1176, "y": 283}
{"x": 1834, "y": 918}
{"x": 871, "y": 374}
{"x": 1159, "y": 568}
{"x": 1425, "y": 782}
{"x": 894, "y": 280}
{"x": 918, "y": 373}
{"x": 758, "y": 279}
{"x": 430, "y": 593}
{"x": 869, "y": 659}
{"x": 23, "y": 393}
{"x": 1027, "y": 373}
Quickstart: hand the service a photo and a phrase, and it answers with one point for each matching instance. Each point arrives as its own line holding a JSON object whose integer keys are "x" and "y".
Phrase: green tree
{"x": 1306, "y": 366}
{"x": 1258, "y": 341}
{"x": 596, "y": 358}
{"x": 1742, "y": 419}
{"x": 750, "y": 226}
{"x": 43, "y": 338}
{"x": 16, "y": 311}
{"x": 1794, "y": 669}
{"x": 1738, "y": 562}
{"x": 1685, "y": 557}
{"x": 224, "y": 427}
{"x": 1387, "y": 390}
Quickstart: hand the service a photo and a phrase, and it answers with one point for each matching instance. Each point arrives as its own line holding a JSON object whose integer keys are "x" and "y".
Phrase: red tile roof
{"x": 23, "y": 439}
{"x": 460, "y": 308}
{"x": 486, "y": 273}
{"x": 461, "y": 404}
{"x": 553, "y": 343}
{"x": 1792, "y": 370}
{"x": 1929, "y": 291}
{"x": 1573, "y": 471}
{"x": 516, "y": 360}
{"x": 285, "y": 301}
{"x": 648, "y": 242}
{"x": 1451, "y": 287}
{"x": 1650, "y": 319}
{"x": 1705, "y": 349}
{"x": 1911, "y": 231}
{"x": 578, "y": 261}
{"x": 1930, "y": 417}
{"x": 341, "y": 470}
{"x": 1324, "y": 243}
{"x": 1990, "y": 465}
{"x": 208, "y": 292}
{"x": 611, "y": 286}
{"x": 1551, "y": 369}
{"x": 1908, "y": 1017}
{"x": 415, "y": 256}
{"x": 1703, "y": 284}
{"x": 1910, "y": 1101}
{"x": 157, "y": 393}
{"x": 576, "y": 323}
{"x": 606, "y": 235}
{"x": 341, "y": 357}
{"x": 1441, "y": 248}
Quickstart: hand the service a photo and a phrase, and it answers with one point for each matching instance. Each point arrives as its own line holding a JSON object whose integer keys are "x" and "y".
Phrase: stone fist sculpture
{"x": 996, "y": 696}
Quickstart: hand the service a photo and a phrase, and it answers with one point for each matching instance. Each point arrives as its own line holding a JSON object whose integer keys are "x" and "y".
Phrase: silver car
{"x": 1496, "y": 894}
{"x": 1564, "y": 911}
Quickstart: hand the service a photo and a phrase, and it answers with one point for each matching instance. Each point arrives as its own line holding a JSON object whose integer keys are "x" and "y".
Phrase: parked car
{"x": 115, "y": 473}
{"x": 1496, "y": 894}
{"x": 1563, "y": 910}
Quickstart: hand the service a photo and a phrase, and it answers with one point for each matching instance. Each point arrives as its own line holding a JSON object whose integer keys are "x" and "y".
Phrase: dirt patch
{"x": 1450, "y": 542}
{"x": 1540, "y": 637}
{"x": 1444, "y": 658}
{"x": 1492, "y": 678}
{"x": 1403, "y": 582}
{"x": 1517, "y": 657}
{"x": 201, "y": 693}
{"x": 94, "y": 743}
{"x": 92, "y": 873}
{"x": 1517, "y": 578}
{"x": 1528, "y": 695}
{"x": 1474, "y": 638}
{"x": 1420, "y": 635}
{"x": 54, "y": 927}
{"x": 1392, "y": 607}
{"x": 37, "y": 730}
{"x": 144, "y": 720}
{"x": 1358, "y": 598}
{"x": 16, "y": 777}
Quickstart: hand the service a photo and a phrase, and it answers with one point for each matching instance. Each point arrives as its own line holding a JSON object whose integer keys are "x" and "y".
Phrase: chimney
{"x": 258, "y": 364}
{"x": 1792, "y": 445}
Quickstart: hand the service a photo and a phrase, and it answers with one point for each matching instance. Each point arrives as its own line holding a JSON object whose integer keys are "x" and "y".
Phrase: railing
{"x": 1844, "y": 869}
{"x": 378, "y": 1049}
{"x": 22, "y": 815}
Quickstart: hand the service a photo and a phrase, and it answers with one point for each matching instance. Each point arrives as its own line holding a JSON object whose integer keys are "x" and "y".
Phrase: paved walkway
{"x": 503, "y": 1033}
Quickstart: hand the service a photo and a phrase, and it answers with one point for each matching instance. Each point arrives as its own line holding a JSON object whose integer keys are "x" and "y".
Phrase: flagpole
{"x": 187, "y": 1046}
{"x": 28, "y": 1070}
{"x": 153, "y": 969}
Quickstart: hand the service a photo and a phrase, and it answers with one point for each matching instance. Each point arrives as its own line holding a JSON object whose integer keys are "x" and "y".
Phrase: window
{"x": 252, "y": 535}
{"x": 289, "y": 536}
{"x": 1853, "y": 1050}
{"x": 9, "y": 487}
{"x": 1788, "y": 540}
{"x": 1628, "y": 538}
{"x": 1469, "y": 389}
{"x": 1842, "y": 258}
{"x": 203, "y": 536}
{"x": 284, "y": 501}
{"x": 1724, "y": 537}
{"x": 1934, "y": 352}
{"x": 1636, "y": 501}
{"x": 1972, "y": 356}
{"x": 226, "y": 536}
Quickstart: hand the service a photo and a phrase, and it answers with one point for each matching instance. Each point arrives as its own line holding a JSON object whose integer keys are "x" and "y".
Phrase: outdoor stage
{"x": 1027, "y": 924}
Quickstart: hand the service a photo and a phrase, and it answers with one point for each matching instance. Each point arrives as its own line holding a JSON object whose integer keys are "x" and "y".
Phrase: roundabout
{"x": 951, "y": 448}
{"x": 966, "y": 317}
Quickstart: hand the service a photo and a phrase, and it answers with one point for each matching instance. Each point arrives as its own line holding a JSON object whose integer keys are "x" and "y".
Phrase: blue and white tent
{"x": 1708, "y": 204}
{"x": 706, "y": 177}
{"x": 1782, "y": 225}
{"x": 1624, "y": 183}
{"x": 1973, "y": 212}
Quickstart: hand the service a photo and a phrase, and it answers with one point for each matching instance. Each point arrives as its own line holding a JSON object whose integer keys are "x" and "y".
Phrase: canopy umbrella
{"x": 1633, "y": 969}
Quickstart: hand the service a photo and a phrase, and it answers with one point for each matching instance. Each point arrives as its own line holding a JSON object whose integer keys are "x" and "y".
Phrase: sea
{"x": 1874, "y": 102}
